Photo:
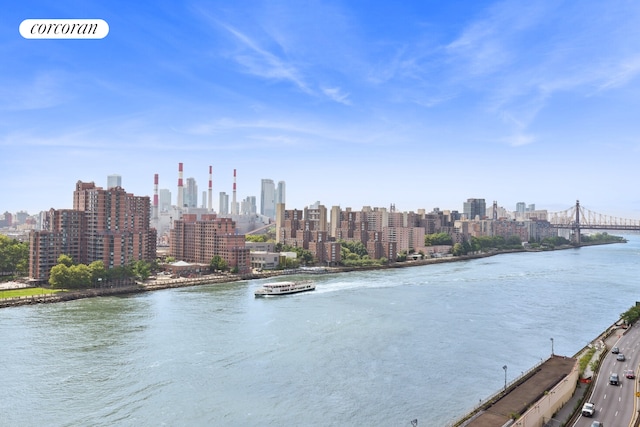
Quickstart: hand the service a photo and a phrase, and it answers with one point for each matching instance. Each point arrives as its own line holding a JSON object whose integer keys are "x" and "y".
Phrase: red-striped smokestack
{"x": 180, "y": 189}
{"x": 155, "y": 196}
{"x": 234, "y": 207}
{"x": 210, "y": 206}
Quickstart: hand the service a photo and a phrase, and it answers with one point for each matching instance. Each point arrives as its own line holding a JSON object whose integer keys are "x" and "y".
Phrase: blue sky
{"x": 420, "y": 103}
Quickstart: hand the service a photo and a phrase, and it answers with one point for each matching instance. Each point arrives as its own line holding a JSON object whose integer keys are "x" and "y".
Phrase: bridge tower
{"x": 576, "y": 225}
{"x": 495, "y": 210}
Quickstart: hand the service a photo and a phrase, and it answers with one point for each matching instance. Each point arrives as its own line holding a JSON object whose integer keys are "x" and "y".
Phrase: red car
{"x": 630, "y": 374}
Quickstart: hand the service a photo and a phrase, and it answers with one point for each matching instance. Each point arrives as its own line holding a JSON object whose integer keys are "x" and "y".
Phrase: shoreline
{"x": 220, "y": 278}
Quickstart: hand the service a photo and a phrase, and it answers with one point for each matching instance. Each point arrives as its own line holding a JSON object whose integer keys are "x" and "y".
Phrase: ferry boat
{"x": 284, "y": 288}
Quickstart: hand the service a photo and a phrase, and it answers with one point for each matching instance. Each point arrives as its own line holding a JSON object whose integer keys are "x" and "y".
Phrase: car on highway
{"x": 629, "y": 374}
{"x": 597, "y": 424}
{"x": 614, "y": 379}
{"x": 588, "y": 409}
{"x": 620, "y": 357}
{"x": 615, "y": 350}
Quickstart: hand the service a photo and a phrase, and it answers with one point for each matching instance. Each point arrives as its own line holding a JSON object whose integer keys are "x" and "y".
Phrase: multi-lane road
{"x": 616, "y": 405}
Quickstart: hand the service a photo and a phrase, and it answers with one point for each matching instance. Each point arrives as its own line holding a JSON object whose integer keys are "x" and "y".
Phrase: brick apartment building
{"x": 110, "y": 225}
{"x": 199, "y": 240}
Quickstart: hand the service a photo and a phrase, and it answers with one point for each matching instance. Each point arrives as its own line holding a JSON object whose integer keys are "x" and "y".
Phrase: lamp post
{"x": 552, "y": 346}
{"x": 505, "y": 377}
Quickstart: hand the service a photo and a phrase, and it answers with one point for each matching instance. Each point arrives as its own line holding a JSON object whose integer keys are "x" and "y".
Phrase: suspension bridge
{"x": 578, "y": 218}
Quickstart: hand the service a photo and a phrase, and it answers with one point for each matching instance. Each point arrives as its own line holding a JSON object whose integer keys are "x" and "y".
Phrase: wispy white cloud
{"x": 622, "y": 73}
{"x": 519, "y": 139}
{"x": 336, "y": 94}
{"x": 260, "y": 62}
{"x": 518, "y": 74}
{"x": 44, "y": 90}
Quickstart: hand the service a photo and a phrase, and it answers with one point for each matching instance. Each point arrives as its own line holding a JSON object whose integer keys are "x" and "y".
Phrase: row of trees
{"x": 303, "y": 256}
{"x": 601, "y": 238}
{"x": 631, "y": 315}
{"x": 69, "y": 275}
{"x": 475, "y": 244}
{"x": 354, "y": 254}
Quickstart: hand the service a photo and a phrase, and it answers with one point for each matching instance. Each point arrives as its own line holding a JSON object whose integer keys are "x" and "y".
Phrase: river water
{"x": 378, "y": 348}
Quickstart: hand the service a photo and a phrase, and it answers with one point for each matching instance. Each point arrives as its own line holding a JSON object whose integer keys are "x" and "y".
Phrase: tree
{"x": 14, "y": 255}
{"x": 59, "y": 276}
{"x": 357, "y": 248}
{"x": 286, "y": 262}
{"x": 514, "y": 242}
{"x": 256, "y": 238}
{"x": 631, "y": 315}
{"x": 66, "y": 260}
{"x": 218, "y": 264}
{"x": 97, "y": 271}
{"x": 141, "y": 269}
{"x": 438, "y": 239}
{"x": 305, "y": 256}
{"x": 457, "y": 249}
{"x": 80, "y": 276}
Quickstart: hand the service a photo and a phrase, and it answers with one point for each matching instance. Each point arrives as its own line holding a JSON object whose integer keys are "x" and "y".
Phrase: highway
{"x": 616, "y": 405}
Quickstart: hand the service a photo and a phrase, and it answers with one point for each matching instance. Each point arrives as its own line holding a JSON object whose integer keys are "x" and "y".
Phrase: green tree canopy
{"x": 286, "y": 262}
{"x": 66, "y": 260}
{"x": 256, "y": 238}
{"x": 14, "y": 255}
{"x": 141, "y": 269}
{"x": 59, "y": 276}
{"x": 458, "y": 249}
{"x": 70, "y": 277}
{"x": 631, "y": 315}
{"x": 357, "y": 248}
{"x": 438, "y": 239}
{"x": 80, "y": 276}
{"x": 218, "y": 264}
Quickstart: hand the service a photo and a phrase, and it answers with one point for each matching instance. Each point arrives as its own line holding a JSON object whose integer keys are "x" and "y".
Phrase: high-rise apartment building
{"x": 114, "y": 181}
{"x": 281, "y": 190}
{"x": 111, "y": 226}
{"x": 474, "y": 208}
{"x": 191, "y": 194}
{"x": 268, "y": 198}
{"x": 164, "y": 200}
{"x": 223, "y": 207}
{"x": 248, "y": 206}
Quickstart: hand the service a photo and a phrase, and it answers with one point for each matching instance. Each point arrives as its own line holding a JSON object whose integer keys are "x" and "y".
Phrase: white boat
{"x": 284, "y": 288}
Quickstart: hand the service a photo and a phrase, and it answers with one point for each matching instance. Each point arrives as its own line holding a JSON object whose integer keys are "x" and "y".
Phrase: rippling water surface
{"x": 376, "y": 348}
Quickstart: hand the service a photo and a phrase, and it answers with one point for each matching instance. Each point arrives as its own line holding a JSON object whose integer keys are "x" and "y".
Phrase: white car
{"x": 588, "y": 409}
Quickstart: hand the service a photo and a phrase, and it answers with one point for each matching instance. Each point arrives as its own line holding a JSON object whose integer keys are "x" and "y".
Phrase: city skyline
{"x": 416, "y": 105}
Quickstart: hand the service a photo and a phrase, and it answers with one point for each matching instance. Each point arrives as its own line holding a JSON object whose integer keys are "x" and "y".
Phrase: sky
{"x": 420, "y": 104}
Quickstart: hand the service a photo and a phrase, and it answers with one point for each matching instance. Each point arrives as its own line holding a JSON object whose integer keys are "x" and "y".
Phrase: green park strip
{"x": 26, "y": 292}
